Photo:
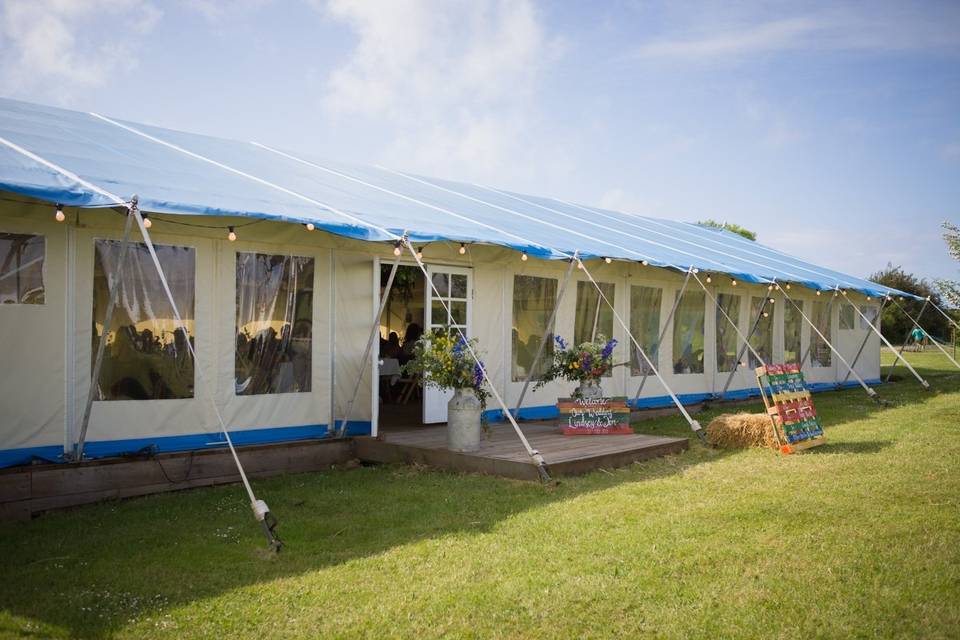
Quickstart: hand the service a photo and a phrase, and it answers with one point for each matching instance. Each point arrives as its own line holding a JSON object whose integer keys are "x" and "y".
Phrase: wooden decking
{"x": 502, "y": 454}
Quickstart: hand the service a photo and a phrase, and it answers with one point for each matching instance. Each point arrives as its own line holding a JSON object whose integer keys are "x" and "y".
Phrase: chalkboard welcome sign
{"x": 594, "y": 416}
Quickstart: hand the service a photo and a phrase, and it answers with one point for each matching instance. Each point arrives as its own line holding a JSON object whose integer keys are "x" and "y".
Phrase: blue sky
{"x": 832, "y": 129}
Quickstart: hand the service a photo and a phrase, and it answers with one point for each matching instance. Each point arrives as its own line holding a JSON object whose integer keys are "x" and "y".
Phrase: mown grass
{"x": 859, "y": 538}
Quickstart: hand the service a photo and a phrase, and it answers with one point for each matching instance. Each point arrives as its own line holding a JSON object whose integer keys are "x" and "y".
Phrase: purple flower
{"x": 608, "y": 349}
{"x": 458, "y": 348}
{"x": 478, "y": 375}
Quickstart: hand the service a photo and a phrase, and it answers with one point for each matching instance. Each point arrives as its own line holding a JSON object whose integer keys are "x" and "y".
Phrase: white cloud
{"x": 876, "y": 26}
{"x": 452, "y": 84}
{"x": 57, "y": 47}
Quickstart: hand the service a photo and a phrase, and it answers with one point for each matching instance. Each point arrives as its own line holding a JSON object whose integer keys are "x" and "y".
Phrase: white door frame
{"x": 434, "y": 400}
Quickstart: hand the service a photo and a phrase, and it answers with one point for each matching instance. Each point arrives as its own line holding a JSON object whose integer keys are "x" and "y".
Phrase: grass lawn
{"x": 859, "y": 538}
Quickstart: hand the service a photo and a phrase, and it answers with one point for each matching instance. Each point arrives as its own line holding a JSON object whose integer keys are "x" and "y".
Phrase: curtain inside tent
{"x": 146, "y": 355}
{"x": 762, "y": 338}
{"x": 645, "y": 327}
{"x": 533, "y": 301}
{"x": 792, "y": 324}
{"x": 726, "y": 336}
{"x": 274, "y": 324}
{"x": 688, "y": 328}
{"x": 21, "y": 268}
{"x": 820, "y": 354}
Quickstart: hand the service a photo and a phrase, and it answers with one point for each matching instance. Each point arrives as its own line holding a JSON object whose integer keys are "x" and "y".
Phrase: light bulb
{"x": 608, "y": 260}
{"x": 766, "y": 314}
{"x": 524, "y": 257}
{"x": 733, "y": 283}
{"x": 232, "y": 235}
{"x": 60, "y": 216}
{"x": 419, "y": 253}
{"x": 147, "y": 222}
{"x": 696, "y": 270}
{"x": 310, "y": 226}
{"x": 396, "y": 249}
{"x": 709, "y": 279}
{"x": 463, "y": 248}
{"x": 770, "y": 287}
{"x": 772, "y": 301}
{"x": 818, "y": 293}
{"x": 645, "y": 263}
{"x": 869, "y": 298}
{"x": 788, "y": 286}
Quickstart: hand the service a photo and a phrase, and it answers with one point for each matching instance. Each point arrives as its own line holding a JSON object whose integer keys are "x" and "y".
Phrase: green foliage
{"x": 404, "y": 281}
{"x": 442, "y": 360}
{"x": 894, "y": 324}
{"x": 587, "y": 362}
{"x": 729, "y": 226}
{"x": 950, "y": 289}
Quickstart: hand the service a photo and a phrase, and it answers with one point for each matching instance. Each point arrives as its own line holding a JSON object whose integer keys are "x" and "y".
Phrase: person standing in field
{"x": 918, "y": 335}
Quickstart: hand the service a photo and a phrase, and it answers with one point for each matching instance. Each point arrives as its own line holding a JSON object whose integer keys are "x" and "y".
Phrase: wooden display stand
{"x": 796, "y": 426}
{"x": 594, "y": 416}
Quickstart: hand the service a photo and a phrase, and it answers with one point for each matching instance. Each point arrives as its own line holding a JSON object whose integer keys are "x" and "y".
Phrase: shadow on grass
{"x": 88, "y": 572}
{"x": 856, "y": 447}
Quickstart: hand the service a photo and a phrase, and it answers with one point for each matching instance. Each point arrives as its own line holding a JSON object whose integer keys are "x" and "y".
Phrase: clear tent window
{"x": 727, "y": 341}
{"x": 594, "y": 317}
{"x": 533, "y": 301}
{"x": 146, "y": 355}
{"x": 645, "y": 327}
{"x": 688, "y": 336}
{"x": 21, "y": 268}
{"x": 274, "y": 330}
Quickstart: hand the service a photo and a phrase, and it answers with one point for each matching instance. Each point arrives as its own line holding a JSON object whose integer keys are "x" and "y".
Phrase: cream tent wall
{"x": 47, "y": 348}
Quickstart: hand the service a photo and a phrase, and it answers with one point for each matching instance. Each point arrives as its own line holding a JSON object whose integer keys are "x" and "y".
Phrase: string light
{"x": 59, "y": 215}
{"x": 766, "y": 314}
{"x": 232, "y": 235}
{"x": 645, "y": 263}
{"x": 310, "y": 226}
{"x": 147, "y": 222}
{"x": 396, "y": 248}
{"x": 733, "y": 283}
{"x": 709, "y": 279}
{"x": 788, "y": 286}
{"x": 608, "y": 260}
{"x": 463, "y": 248}
{"x": 419, "y": 253}
{"x": 770, "y": 287}
{"x": 524, "y": 257}
{"x": 818, "y": 292}
{"x": 772, "y": 300}
{"x": 696, "y": 270}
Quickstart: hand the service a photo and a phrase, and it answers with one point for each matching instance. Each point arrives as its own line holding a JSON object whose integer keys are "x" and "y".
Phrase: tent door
{"x": 455, "y": 287}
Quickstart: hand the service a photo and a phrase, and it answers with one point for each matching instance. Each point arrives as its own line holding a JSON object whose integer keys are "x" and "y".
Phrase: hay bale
{"x": 741, "y": 431}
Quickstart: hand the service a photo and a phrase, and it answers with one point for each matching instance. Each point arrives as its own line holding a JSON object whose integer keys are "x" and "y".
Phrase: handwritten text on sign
{"x": 594, "y": 416}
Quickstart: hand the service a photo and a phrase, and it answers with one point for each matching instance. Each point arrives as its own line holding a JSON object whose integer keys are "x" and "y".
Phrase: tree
{"x": 894, "y": 324}
{"x": 950, "y": 289}
{"x": 729, "y": 226}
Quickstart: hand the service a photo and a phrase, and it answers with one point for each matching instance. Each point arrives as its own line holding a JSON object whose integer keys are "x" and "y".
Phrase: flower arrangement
{"x": 587, "y": 362}
{"x": 442, "y": 360}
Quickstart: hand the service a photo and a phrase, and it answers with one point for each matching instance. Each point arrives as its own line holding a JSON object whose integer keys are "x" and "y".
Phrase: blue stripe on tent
{"x": 172, "y": 444}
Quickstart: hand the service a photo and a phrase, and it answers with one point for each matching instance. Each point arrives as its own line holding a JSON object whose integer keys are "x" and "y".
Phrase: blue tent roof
{"x": 57, "y": 155}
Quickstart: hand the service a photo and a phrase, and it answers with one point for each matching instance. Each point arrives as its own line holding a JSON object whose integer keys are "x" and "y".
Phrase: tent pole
{"x": 923, "y": 382}
{"x": 538, "y": 460}
{"x": 660, "y": 337}
{"x": 548, "y": 335}
{"x": 596, "y": 320}
{"x": 906, "y": 338}
{"x": 743, "y": 349}
{"x": 864, "y": 343}
{"x": 260, "y": 510}
{"x": 374, "y": 334}
{"x": 944, "y": 314}
{"x": 77, "y": 455}
{"x": 866, "y": 387}
{"x": 694, "y": 425}
{"x": 916, "y": 323}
